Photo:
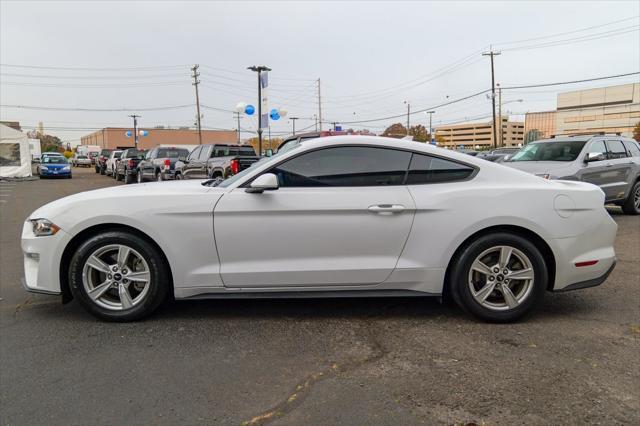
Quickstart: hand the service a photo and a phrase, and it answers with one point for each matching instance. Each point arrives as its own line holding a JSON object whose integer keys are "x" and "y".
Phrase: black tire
{"x": 178, "y": 176}
{"x": 113, "y": 174}
{"x": 159, "y": 283}
{"x": 102, "y": 171}
{"x": 630, "y": 206}
{"x": 159, "y": 177}
{"x": 117, "y": 176}
{"x": 459, "y": 277}
{"x": 127, "y": 178}
{"x": 97, "y": 169}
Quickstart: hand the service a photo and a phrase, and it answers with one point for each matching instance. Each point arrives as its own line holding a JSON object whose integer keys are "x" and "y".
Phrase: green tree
{"x": 396, "y": 130}
{"x": 636, "y": 132}
{"x": 419, "y": 133}
{"x": 48, "y": 143}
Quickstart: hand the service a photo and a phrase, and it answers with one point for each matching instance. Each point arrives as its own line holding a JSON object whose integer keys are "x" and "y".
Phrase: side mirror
{"x": 265, "y": 182}
{"x": 183, "y": 159}
{"x": 594, "y": 156}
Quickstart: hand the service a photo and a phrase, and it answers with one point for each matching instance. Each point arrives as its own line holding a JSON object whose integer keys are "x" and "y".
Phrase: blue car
{"x": 54, "y": 166}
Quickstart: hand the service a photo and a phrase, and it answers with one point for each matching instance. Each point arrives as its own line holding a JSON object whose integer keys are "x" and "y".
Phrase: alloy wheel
{"x": 501, "y": 278}
{"x": 636, "y": 198}
{"x": 116, "y": 277}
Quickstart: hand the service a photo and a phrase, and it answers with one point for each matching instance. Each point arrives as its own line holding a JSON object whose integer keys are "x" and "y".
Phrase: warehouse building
{"x": 480, "y": 135}
{"x": 116, "y": 137}
{"x": 539, "y": 125}
{"x": 613, "y": 109}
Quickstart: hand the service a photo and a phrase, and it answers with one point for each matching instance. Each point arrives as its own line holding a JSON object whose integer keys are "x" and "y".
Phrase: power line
{"x": 141, "y": 68}
{"x": 570, "y": 82}
{"x": 46, "y": 108}
{"x": 93, "y": 86}
{"x": 574, "y": 40}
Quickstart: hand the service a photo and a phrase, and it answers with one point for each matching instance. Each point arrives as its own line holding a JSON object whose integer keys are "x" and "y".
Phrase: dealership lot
{"x": 349, "y": 361}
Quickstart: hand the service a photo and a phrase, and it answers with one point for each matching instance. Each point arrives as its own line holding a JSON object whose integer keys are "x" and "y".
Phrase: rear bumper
{"x": 588, "y": 283}
{"x": 38, "y": 290}
{"x": 168, "y": 174}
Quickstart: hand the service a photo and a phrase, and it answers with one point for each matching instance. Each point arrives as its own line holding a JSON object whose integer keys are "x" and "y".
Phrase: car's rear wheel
{"x": 159, "y": 177}
{"x": 498, "y": 277}
{"x": 119, "y": 276}
{"x": 97, "y": 169}
{"x": 117, "y": 175}
{"x": 102, "y": 171}
{"x": 139, "y": 177}
{"x": 178, "y": 176}
{"x": 632, "y": 204}
{"x": 127, "y": 178}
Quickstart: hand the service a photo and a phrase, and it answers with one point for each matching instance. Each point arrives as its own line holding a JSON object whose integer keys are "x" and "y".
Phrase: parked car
{"x": 159, "y": 163}
{"x": 93, "y": 156}
{"x": 80, "y": 161}
{"x": 54, "y": 166}
{"x": 337, "y": 216}
{"x": 110, "y": 164}
{"x": 293, "y": 140}
{"x": 497, "y": 155}
{"x": 127, "y": 166}
{"x": 101, "y": 161}
{"x": 40, "y": 160}
{"x": 610, "y": 161}
{"x": 215, "y": 161}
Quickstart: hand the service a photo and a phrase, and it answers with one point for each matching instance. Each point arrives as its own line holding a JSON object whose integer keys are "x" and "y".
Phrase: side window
{"x": 204, "y": 154}
{"x": 150, "y": 154}
{"x": 426, "y": 169}
{"x": 598, "y": 147}
{"x": 221, "y": 151}
{"x": 616, "y": 150}
{"x": 344, "y": 166}
{"x": 194, "y": 154}
{"x": 633, "y": 149}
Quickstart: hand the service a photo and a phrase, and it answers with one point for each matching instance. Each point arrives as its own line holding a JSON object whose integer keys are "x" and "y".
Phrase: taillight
{"x": 167, "y": 164}
{"x": 130, "y": 164}
{"x": 235, "y": 166}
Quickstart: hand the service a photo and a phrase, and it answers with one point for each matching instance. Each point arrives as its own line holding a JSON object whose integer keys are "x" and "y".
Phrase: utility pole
{"x": 315, "y": 117}
{"x": 293, "y": 120}
{"x": 259, "y": 70}
{"x": 431, "y": 138}
{"x": 135, "y": 129}
{"x": 319, "y": 105}
{"x": 237, "y": 114}
{"x": 500, "y": 113}
{"x": 408, "y": 114}
{"x": 195, "y": 83}
{"x": 334, "y": 125}
{"x": 491, "y": 53}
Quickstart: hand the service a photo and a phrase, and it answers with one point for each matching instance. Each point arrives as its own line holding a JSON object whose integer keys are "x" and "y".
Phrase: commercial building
{"x": 610, "y": 109}
{"x": 480, "y": 135}
{"x": 539, "y": 125}
{"x": 116, "y": 137}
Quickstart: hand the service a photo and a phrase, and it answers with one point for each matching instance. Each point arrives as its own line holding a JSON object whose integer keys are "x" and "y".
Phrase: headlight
{"x": 65, "y": 168}
{"x": 43, "y": 227}
{"x": 44, "y": 168}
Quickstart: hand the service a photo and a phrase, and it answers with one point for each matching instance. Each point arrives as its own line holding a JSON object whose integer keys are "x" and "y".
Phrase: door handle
{"x": 386, "y": 209}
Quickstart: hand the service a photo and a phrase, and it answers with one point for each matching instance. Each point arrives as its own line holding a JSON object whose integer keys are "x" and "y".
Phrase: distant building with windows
{"x": 480, "y": 135}
{"x": 613, "y": 109}
{"x": 539, "y": 125}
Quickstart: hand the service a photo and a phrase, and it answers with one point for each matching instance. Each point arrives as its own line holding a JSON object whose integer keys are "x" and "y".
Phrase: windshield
{"x": 172, "y": 153}
{"x": 54, "y": 159}
{"x": 549, "y": 151}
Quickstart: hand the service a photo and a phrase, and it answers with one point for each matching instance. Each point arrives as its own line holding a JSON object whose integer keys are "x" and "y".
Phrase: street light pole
{"x": 431, "y": 139}
{"x": 408, "y": 114}
{"x": 135, "y": 129}
{"x": 293, "y": 120}
{"x": 259, "y": 70}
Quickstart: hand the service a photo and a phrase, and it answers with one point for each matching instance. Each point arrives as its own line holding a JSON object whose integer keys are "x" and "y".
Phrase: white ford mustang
{"x": 338, "y": 216}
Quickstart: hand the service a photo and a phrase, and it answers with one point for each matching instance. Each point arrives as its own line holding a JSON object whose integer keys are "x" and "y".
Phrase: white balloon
{"x": 282, "y": 112}
{"x": 241, "y": 106}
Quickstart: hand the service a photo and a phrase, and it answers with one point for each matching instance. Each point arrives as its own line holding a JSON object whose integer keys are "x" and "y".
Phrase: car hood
{"x": 554, "y": 168}
{"x": 126, "y": 195}
{"x": 54, "y": 166}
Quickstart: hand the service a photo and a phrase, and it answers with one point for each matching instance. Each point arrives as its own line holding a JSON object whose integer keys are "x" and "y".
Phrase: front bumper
{"x": 42, "y": 260}
{"x": 55, "y": 173}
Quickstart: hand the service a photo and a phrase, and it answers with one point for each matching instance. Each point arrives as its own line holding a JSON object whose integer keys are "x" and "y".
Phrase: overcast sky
{"x": 370, "y": 57}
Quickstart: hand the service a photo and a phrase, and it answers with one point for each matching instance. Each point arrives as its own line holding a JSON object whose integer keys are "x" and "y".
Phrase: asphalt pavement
{"x": 575, "y": 360}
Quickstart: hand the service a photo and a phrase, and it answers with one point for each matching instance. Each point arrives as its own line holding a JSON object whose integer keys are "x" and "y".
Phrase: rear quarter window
{"x": 633, "y": 148}
{"x": 426, "y": 169}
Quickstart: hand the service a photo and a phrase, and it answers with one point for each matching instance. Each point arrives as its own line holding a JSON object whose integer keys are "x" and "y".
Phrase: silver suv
{"x": 610, "y": 161}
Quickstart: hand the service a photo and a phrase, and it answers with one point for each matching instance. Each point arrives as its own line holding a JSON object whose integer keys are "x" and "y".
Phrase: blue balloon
{"x": 144, "y": 133}
{"x": 128, "y": 133}
{"x": 274, "y": 114}
{"x": 249, "y": 110}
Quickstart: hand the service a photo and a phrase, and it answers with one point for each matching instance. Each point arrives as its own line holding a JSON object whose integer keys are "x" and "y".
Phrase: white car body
{"x": 110, "y": 164}
{"x": 228, "y": 242}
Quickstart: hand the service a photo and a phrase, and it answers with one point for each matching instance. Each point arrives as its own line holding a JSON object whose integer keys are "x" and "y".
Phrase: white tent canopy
{"x": 15, "y": 158}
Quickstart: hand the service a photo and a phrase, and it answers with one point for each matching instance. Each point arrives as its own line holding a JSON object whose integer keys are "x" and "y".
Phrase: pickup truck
{"x": 159, "y": 163}
{"x": 215, "y": 161}
{"x": 127, "y": 167}
{"x": 101, "y": 161}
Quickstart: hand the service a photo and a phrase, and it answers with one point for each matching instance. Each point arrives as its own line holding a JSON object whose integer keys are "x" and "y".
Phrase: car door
{"x": 596, "y": 172}
{"x": 146, "y": 165}
{"x": 619, "y": 167}
{"x": 188, "y": 171}
{"x": 340, "y": 217}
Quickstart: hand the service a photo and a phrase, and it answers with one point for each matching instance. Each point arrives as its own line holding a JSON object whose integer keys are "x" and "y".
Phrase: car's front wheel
{"x": 498, "y": 277}
{"x": 119, "y": 276}
{"x": 632, "y": 204}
